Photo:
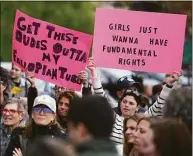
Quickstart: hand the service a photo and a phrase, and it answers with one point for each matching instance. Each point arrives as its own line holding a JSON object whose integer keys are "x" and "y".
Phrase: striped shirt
{"x": 117, "y": 132}
{"x": 155, "y": 110}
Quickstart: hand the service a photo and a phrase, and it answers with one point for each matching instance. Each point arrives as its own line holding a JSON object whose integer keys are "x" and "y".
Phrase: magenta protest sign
{"x": 139, "y": 41}
{"x": 56, "y": 54}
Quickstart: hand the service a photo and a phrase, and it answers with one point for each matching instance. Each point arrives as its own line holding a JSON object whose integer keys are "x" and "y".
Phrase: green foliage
{"x": 74, "y": 15}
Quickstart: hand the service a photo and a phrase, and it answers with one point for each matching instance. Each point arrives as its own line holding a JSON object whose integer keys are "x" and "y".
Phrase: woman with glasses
{"x": 13, "y": 113}
{"x": 43, "y": 123}
{"x": 130, "y": 101}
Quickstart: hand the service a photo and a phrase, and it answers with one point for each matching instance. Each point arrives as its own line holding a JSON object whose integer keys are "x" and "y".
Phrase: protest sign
{"x": 56, "y": 54}
{"x": 139, "y": 41}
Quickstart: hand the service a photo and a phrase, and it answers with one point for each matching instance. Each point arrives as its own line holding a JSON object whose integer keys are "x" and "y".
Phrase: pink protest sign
{"x": 56, "y": 54}
{"x": 139, "y": 41}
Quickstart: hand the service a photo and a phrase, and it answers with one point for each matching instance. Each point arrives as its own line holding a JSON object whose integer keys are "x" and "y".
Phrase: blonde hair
{"x": 137, "y": 117}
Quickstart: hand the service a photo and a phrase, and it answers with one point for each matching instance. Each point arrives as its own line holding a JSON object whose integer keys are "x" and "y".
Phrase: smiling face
{"x": 15, "y": 72}
{"x": 11, "y": 115}
{"x": 130, "y": 130}
{"x": 128, "y": 106}
{"x": 43, "y": 115}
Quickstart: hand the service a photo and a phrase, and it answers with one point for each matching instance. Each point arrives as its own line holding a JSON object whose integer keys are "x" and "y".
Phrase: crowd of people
{"x": 66, "y": 124}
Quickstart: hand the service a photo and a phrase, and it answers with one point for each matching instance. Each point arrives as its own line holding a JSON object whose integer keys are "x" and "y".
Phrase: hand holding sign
{"x": 174, "y": 77}
{"x": 83, "y": 75}
{"x": 30, "y": 76}
{"x": 91, "y": 67}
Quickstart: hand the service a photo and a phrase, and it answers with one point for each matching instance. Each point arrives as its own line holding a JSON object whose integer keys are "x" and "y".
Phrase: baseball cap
{"x": 126, "y": 81}
{"x": 47, "y": 101}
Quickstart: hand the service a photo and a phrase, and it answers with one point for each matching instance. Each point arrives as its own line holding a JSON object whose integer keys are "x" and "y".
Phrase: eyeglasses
{"x": 10, "y": 111}
{"x": 45, "y": 110}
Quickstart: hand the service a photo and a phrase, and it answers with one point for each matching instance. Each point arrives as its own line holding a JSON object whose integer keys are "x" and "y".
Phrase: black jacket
{"x": 19, "y": 138}
{"x": 97, "y": 147}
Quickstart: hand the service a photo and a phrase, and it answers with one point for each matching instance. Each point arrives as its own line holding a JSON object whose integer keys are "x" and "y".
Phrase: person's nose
{"x": 127, "y": 132}
{"x": 41, "y": 112}
{"x": 62, "y": 106}
{"x": 136, "y": 134}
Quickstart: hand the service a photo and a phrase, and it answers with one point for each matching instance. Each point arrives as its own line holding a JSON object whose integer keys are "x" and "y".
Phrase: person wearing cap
{"x": 43, "y": 123}
{"x": 154, "y": 110}
{"x": 124, "y": 83}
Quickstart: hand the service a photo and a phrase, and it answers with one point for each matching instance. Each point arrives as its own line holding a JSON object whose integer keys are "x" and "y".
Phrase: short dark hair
{"x": 95, "y": 113}
{"x": 179, "y": 105}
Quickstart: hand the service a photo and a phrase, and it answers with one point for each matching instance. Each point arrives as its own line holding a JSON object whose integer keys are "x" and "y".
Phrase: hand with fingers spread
{"x": 91, "y": 67}
{"x": 30, "y": 77}
{"x": 17, "y": 152}
{"x": 83, "y": 75}
{"x": 174, "y": 77}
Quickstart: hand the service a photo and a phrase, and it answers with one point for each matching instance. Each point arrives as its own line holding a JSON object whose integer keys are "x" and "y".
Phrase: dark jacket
{"x": 21, "y": 139}
{"x": 97, "y": 147}
{"x": 5, "y": 138}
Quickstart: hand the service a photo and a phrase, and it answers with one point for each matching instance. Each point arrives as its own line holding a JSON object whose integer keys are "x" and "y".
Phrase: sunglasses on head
{"x": 132, "y": 91}
{"x": 39, "y": 109}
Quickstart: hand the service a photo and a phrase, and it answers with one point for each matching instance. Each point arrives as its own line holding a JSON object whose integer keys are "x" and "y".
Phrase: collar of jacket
{"x": 44, "y": 130}
{"x": 62, "y": 121}
{"x": 97, "y": 145}
{"x": 22, "y": 82}
{"x": 4, "y": 129}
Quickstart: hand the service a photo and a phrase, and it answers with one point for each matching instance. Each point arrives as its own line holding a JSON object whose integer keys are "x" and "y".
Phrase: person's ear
{"x": 82, "y": 130}
{"x": 32, "y": 115}
{"x": 21, "y": 116}
{"x": 54, "y": 116}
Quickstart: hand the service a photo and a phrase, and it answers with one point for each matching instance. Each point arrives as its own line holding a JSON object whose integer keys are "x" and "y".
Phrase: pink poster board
{"x": 56, "y": 54}
{"x": 138, "y": 41}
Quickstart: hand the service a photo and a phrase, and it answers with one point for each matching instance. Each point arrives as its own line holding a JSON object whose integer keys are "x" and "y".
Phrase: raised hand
{"x": 83, "y": 75}
{"x": 30, "y": 77}
{"x": 91, "y": 67}
{"x": 174, "y": 77}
